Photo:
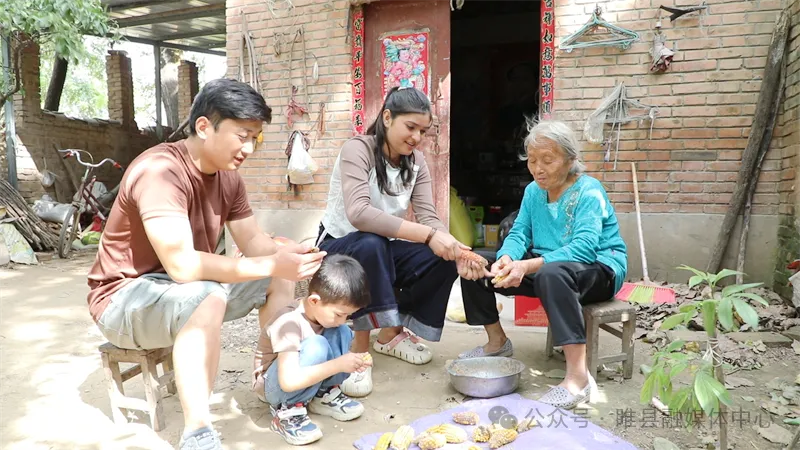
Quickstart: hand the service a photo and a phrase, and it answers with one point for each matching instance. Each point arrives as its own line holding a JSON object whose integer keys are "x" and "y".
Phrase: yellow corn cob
{"x": 481, "y": 434}
{"x": 384, "y": 441}
{"x": 502, "y": 437}
{"x": 466, "y": 418}
{"x": 526, "y": 424}
{"x": 454, "y": 434}
{"x": 402, "y": 438}
{"x": 432, "y": 441}
{"x": 474, "y": 447}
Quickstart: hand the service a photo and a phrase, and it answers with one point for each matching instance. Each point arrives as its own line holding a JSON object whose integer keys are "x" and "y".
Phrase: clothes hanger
{"x": 620, "y": 37}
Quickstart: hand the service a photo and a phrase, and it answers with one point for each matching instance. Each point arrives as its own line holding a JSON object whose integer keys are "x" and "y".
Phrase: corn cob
{"x": 466, "y": 418}
{"x": 502, "y": 437}
{"x": 498, "y": 279}
{"x": 402, "y": 438}
{"x": 481, "y": 434}
{"x": 474, "y": 447}
{"x": 432, "y": 441}
{"x": 367, "y": 357}
{"x": 526, "y": 424}
{"x": 383, "y": 442}
{"x": 454, "y": 434}
{"x": 474, "y": 257}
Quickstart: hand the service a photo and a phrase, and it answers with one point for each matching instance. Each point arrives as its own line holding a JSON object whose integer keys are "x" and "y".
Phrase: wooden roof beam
{"x": 174, "y": 16}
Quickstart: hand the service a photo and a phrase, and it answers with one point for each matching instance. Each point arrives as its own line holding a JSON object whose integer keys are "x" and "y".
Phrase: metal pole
{"x": 157, "y": 58}
{"x": 11, "y": 132}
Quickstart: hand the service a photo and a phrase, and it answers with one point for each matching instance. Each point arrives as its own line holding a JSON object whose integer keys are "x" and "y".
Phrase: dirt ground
{"x": 53, "y": 395}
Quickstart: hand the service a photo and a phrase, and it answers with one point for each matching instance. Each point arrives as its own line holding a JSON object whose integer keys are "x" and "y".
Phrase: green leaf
{"x": 673, "y": 321}
{"x": 678, "y": 400}
{"x": 677, "y": 369}
{"x": 725, "y": 311}
{"x": 710, "y": 317}
{"x": 679, "y": 357}
{"x": 746, "y": 312}
{"x": 647, "y": 388}
{"x": 688, "y": 307}
{"x": 724, "y": 273}
{"x": 695, "y": 280}
{"x": 719, "y": 390}
{"x": 674, "y": 345}
{"x": 700, "y": 274}
{"x": 734, "y": 288}
{"x": 752, "y": 296}
{"x": 795, "y": 421}
{"x": 704, "y": 392}
{"x": 646, "y": 369}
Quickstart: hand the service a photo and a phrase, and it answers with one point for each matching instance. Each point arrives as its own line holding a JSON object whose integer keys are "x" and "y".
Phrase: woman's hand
{"x": 445, "y": 246}
{"x": 499, "y": 265}
{"x": 470, "y": 270}
{"x": 510, "y": 276}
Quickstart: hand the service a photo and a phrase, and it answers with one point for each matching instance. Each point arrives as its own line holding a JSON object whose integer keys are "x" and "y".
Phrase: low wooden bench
{"x": 604, "y": 316}
{"x": 146, "y": 363}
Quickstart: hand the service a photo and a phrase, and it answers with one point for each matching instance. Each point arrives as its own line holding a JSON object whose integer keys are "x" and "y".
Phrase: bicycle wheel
{"x": 69, "y": 229}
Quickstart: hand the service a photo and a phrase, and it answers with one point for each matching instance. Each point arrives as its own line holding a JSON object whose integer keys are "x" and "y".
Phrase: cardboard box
{"x": 528, "y": 312}
{"x": 491, "y": 233}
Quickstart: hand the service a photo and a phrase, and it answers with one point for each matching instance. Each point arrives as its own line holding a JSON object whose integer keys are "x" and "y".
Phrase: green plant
{"x": 706, "y": 393}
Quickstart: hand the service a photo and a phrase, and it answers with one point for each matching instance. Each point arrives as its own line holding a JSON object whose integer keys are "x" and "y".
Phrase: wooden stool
{"x": 147, "y": 362}
{"x": 603, "y": 315}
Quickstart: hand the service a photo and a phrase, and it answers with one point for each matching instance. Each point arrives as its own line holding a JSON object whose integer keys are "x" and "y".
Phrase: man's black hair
{"x": 225, "y": 98}
{"x": 341, "y": 279}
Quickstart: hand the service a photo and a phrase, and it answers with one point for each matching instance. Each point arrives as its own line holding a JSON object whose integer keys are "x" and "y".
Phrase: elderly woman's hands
{"x": 509, "y": 274}
{"x": 471, "y": 270}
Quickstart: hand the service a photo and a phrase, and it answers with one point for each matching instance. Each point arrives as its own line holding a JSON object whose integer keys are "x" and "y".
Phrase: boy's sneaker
{"x": 293, "y": 424}
{"x": 207, "y": 440}
{"x": 334, "y": 403}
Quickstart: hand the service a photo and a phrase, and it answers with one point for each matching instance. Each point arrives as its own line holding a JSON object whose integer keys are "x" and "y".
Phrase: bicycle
{"x": 84, "y": 200}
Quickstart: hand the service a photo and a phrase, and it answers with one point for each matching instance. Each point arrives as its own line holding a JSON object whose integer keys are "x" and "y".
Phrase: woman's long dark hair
{"x": 398, "y": 102}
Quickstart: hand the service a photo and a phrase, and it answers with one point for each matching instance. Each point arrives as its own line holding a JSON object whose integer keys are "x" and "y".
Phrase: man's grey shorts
{"x": 149, "y": 311}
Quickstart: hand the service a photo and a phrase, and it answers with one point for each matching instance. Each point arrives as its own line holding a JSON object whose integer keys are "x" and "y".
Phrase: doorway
{"x": 495, "y": 62}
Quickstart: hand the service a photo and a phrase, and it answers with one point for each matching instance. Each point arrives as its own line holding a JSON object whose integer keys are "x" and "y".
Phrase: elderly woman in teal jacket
{"x": 564, "y": 248}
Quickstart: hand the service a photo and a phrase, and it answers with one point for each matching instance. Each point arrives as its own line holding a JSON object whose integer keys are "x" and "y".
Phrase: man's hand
{"x": 353, "y": 362}
{"x": 296, "y": 262}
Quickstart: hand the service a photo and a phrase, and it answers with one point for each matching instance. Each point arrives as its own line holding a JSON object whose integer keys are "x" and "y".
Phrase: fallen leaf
{"x": 779, "y": 399}
{"x": 664, "y": 444}
{"x": 774, "y": 408}
{"x": 776, "y": 434}
{"x": 796, "y": 347}
{"x": 790, "y": 392}
{"x": 734, "y": 382}
{"x": 797, "y": 380}
{"x": 775, "y": 384}
{"x": 795, "y": 421}
{"x": 556, "y": 373}
{"x": 747, "y": 398}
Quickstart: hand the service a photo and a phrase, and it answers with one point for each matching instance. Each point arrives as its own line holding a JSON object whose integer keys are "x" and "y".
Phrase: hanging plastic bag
{"x": 302, "y": 166}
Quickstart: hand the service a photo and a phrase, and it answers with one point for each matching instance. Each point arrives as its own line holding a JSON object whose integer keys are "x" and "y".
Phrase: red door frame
{"x": 546, "y": 85}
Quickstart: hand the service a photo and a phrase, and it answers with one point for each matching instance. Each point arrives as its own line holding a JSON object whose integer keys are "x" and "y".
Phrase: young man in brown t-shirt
{"x": 156, "y": 281}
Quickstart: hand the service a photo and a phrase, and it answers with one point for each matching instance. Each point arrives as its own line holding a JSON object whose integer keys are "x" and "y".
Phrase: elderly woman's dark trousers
{"x": 562, "y": 287}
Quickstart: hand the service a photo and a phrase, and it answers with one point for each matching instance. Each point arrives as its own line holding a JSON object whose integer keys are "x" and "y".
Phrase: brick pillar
{"x": 120, "y": 88}
{"x": 27, "y": 109}
{"x": 188, "y": 86}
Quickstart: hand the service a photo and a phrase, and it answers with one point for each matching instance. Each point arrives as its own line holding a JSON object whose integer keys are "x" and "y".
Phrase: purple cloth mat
{"x": 558, "y": 429}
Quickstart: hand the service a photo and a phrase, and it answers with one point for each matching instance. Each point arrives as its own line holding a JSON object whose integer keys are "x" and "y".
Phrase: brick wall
{"x": 706, "y": 101}
{"x": 325, "y": 29}
{"x": 788, "y": 137}
{"x": 39, "y": 131}
{"x": 188, "y": 86}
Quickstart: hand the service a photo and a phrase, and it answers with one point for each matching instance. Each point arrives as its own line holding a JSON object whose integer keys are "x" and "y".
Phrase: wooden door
{"x": 421, "y": 28}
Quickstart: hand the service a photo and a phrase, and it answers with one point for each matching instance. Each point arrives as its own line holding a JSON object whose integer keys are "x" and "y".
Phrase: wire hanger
{"x": 619, "y": 36}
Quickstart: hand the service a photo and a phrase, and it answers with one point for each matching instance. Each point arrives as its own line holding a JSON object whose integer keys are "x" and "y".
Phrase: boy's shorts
{"x": 148, "y": 312}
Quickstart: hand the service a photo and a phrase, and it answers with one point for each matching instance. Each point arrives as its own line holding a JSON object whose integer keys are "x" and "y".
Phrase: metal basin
{"x": 485, "y": 377}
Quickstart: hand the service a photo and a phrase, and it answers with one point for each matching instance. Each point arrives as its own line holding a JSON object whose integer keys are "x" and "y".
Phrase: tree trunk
{"x": 170, "y": 59}
{"x": 766, "y": 101}
{"x": 56, "y": 87}
{"x": 751, "y": 187}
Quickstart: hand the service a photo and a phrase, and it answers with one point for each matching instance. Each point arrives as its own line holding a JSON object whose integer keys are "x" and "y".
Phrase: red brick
{"x": 693, "y": 176}
{"x": 691, "y": 187}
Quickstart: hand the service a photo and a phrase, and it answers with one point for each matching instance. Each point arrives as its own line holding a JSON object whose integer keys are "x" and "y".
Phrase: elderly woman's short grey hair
{"x": 559, "y": 133}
